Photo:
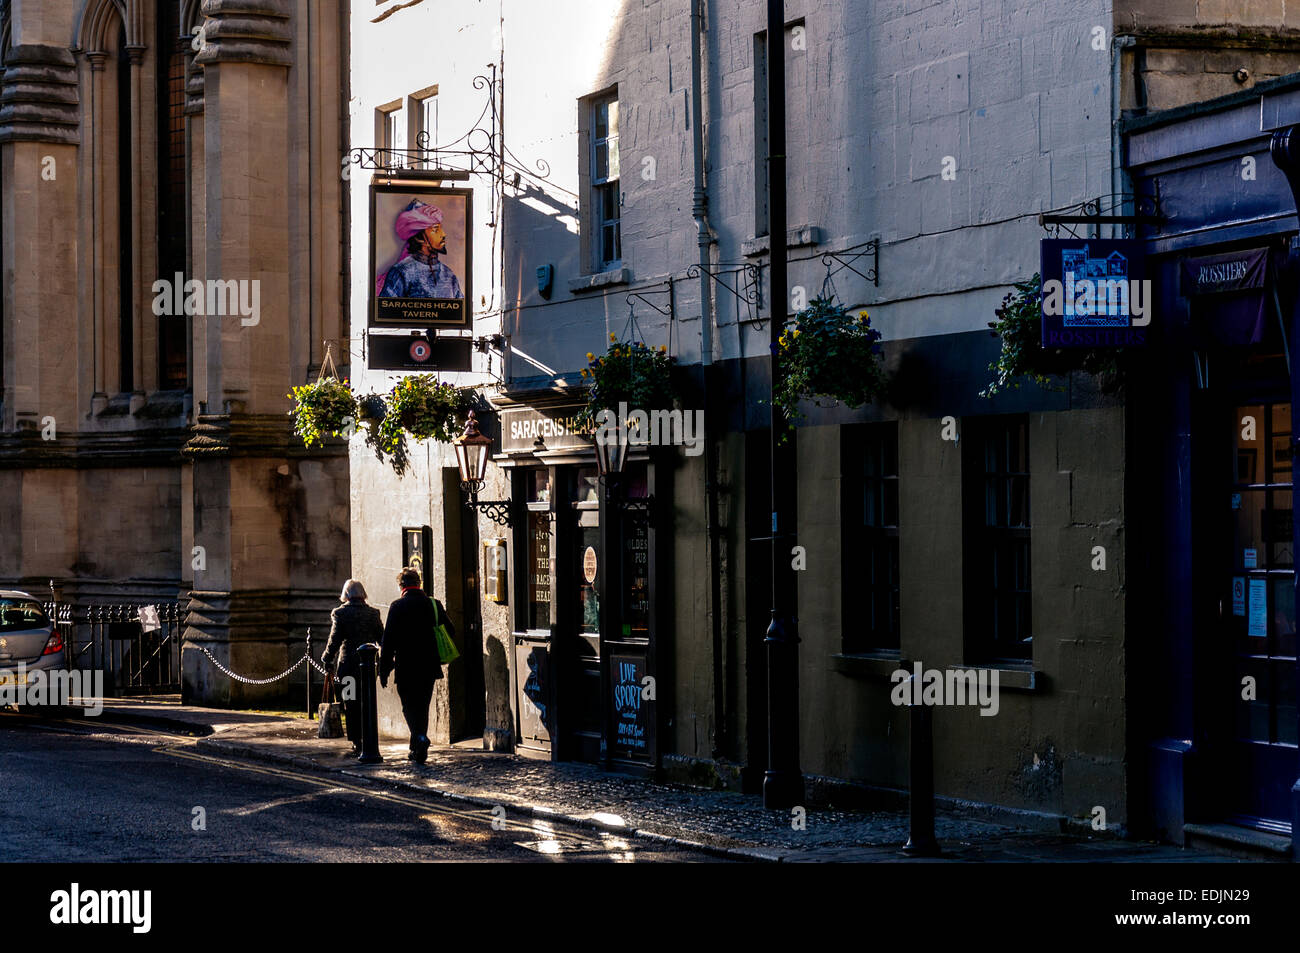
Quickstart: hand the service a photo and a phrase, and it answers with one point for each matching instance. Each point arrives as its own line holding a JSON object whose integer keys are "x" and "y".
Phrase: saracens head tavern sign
{"x": 1094, "y": 294}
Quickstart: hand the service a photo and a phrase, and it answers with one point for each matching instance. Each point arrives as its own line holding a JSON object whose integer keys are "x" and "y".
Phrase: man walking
{"x": 410, "y": 651}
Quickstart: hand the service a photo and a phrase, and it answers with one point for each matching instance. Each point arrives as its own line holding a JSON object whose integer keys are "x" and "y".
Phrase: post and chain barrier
{"x": 307, "y": 657}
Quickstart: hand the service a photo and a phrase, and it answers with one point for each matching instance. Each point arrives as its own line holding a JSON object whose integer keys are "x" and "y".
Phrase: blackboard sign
{"x": 633, "y": 721}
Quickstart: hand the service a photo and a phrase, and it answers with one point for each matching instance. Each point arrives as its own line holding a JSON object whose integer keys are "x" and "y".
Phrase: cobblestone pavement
{"x": 734, "y": 823}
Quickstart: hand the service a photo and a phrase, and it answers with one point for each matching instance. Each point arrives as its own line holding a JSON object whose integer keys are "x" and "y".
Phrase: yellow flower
{"x": 584, "y": 372}
{"x": 613, "y": 337}
{"x": 796, "y": 332}
{"x": 590, "y": 356}
{"x": 663, "y": 348}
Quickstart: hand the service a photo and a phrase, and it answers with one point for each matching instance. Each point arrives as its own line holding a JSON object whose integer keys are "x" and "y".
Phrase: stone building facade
{"x": 146, "y": 452}
{"x": 941, "y": 131}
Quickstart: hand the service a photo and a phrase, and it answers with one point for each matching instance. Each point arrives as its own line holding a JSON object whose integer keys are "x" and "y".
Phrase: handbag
{"x": 329, "y": 714}
{"x": 447, "y": 651}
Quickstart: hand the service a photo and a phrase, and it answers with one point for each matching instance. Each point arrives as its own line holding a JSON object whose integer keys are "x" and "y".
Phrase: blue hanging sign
{"x": 1094, "y": 293}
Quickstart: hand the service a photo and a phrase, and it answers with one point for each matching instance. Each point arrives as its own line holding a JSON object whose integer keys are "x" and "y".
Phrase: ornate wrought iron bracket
{"x": 641, "y": 296}
{"x": 836, "y": 261}
{"x": 751, "y": 292}
{"x": 1098, "y": 212}
{"x": 498, "y": 511}
{"x": 481, "y": 151}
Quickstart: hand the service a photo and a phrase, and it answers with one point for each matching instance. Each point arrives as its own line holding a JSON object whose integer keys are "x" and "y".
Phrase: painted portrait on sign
{"x": 421, "y": 257}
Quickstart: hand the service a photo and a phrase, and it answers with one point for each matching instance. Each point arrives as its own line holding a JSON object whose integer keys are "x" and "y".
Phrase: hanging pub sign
{"x": 421, "y": 257}
{"x": 1094, "y": 293}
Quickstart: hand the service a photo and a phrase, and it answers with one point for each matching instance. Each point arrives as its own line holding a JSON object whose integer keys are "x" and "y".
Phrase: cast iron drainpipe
{"x": 705, "y": 240}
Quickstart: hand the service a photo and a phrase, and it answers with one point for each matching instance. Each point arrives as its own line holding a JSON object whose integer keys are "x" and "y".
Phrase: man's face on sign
{"x": 435, "y": 239}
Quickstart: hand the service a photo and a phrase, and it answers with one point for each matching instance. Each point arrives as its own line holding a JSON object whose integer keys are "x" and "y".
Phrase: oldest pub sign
{"x": 421, "y": 268}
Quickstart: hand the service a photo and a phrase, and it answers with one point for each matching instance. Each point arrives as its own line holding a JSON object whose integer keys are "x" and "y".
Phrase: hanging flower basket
{"x": 424, "y": 408}
{"x": 1020, "y": 326}
{"x": 827, "y": 353}
{"x": 326, "y": 407}
{"x": 630, "y": 373}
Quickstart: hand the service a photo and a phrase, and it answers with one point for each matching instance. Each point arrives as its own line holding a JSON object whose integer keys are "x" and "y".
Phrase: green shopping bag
{"x": 447, "y": 650}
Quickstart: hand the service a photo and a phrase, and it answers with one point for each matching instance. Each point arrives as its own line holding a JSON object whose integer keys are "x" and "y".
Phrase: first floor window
{"x": 606, "y": 197}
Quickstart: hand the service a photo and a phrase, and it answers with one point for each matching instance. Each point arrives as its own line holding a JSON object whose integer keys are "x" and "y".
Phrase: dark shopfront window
{"x": 539, "y": 550}
{"x": 995, "y": 475}
{"x": 636, "y": 560}
{"x": 586, "y": 503}
{"x": 870, "y": 602}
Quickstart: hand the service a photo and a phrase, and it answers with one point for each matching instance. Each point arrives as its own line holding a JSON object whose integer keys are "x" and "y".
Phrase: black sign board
{"x": 633, "y": 722}
{"x": 417, "y": 553}
{"x": 557, "y": 427}
{"x": 393, "y": 352}
{"x": 1094, "y": 293}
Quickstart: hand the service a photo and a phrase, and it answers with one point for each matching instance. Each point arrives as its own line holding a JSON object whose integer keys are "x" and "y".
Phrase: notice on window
{"x": 1257, "y": 614}
{"x": 1238, "y": 595}
{"x": 1249, "y": 559}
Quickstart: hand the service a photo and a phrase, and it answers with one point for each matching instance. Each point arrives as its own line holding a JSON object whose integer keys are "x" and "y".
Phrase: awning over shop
{"x": 1229, "y": 295}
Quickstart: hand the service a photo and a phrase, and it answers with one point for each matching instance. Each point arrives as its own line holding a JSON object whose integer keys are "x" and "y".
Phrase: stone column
{"x": 38, "y": 165}
{"x": 264, "y": 509}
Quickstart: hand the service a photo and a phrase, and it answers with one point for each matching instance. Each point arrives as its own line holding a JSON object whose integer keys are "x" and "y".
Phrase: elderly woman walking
{"x": 352, "y": 625}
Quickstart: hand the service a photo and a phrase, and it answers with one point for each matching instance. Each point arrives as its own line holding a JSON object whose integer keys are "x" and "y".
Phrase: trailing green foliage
{"x": 426, "y": 409}
{"x": 325, "y": 408}
{"x": 631, "y": 373}
{"x": 1020, "y": 326}
{"x": 825, "y": 352}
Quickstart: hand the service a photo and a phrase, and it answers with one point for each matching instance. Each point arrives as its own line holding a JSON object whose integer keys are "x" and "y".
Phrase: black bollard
{"x": 311, "y": 712}
{"x": 920, "y": 840}
{"x": 367, "y": 655}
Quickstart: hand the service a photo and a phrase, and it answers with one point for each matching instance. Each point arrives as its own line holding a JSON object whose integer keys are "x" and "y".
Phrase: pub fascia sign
{"x": 1094, "y": 294}
{"x": 559, "y": 429}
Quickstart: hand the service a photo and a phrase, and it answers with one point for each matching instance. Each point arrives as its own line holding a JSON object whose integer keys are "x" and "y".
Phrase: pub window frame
{"x": 521, "y": 490}
{"x": 871, "y": 613}
{"x": 997, "y": 519}
{"x": 390, "y": 132}
{"x": 598, "y": 190}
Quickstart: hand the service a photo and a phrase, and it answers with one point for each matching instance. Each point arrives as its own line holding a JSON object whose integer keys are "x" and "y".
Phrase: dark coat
{"x": 351, "y": 626}
{"x": 410, "y": 646}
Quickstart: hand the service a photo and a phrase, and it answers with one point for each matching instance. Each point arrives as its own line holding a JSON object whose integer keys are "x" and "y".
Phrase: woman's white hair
{"x": 352, "y": 589}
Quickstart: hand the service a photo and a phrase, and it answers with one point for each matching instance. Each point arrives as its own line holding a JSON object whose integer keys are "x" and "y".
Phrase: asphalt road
{"x": 73, "y": 792}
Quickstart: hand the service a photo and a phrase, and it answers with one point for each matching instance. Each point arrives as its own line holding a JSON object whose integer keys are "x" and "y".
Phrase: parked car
{"x": 27, "y": 636}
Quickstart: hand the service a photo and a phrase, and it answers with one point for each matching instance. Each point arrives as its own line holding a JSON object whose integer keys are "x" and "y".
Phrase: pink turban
{"x": 416, "y": 217}
{"x": 412, "y": 220}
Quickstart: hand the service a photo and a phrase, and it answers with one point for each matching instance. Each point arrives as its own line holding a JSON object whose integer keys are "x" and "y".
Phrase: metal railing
{"x": 114, "y": 638}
